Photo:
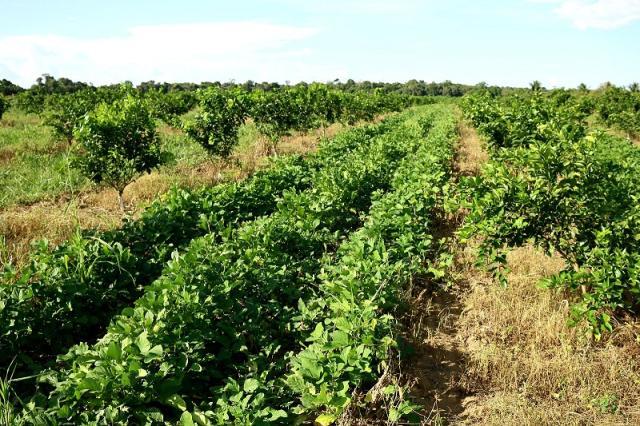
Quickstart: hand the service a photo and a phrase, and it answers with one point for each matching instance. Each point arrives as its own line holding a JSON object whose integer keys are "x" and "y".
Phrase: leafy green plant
{"x": 352, "y": 327}
{"x": 119, "y": 143}
{"x": 276, "y": 114}
{"x": 30, "y": 101}
{"x": 521, "y": 120}
{"x": 68, "y": 293}
{"x": 607, "y": 403}
{"x": 620, "y": 108}
{"x": 169, "y": 106}
{"x": 216, "y": 125}
{"x": 63, "y": 113}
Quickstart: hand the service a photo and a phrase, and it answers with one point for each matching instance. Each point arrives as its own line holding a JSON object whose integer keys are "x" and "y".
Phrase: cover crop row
{"x": 67, "y": 294}
{"x": 223, "y": 306}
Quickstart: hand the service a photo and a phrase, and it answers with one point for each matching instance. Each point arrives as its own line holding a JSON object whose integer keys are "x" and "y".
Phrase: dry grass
{"x": 471, "y": 153}
{"x": 531, "y": 368}
{"x": 6, "y": 154}
{"x": 56, "y": 222}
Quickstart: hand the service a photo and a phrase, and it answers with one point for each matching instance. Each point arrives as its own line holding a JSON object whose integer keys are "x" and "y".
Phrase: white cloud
{"x": 600, "y": 14}
{"x": 185, "y": 52}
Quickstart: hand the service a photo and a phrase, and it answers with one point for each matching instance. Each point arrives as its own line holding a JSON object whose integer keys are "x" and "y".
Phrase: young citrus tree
{"x": 216, "y": 125}
{"x": 64, "y": 112}
{"x": 119, "y": 142}
{"x": 325, "y": 106}
{"x": 275, "y": 114}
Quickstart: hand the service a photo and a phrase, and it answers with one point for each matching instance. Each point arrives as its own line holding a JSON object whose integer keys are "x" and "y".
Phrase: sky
{"x": 561, "y": 43}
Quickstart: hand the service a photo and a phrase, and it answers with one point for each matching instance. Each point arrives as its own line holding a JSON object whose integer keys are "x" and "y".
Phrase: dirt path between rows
{"x": 435, "y": 369}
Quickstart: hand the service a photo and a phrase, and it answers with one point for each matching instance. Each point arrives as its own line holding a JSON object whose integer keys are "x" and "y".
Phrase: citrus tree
{"x": 276, "y": 114}
{"x": 64, "y": 112}
{"x": 119, "y": 142}
{"x": 325, "y": 106}
{"x": 216, "y": 125}
{"x": 169, "y": 106}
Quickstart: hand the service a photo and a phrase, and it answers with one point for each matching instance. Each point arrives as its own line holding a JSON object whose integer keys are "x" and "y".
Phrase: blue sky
{"x": 559, "y": 42}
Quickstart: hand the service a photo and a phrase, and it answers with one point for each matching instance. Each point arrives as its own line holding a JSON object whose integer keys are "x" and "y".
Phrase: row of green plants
{"x": 277, "y": 113}
{"x": 347, "y": 333}
{"x": 222, "y": 307}
{"x": 619, "y": 108}
{"x": 262, "y": 390}
{"x": 553, "y": 183}
{"x": 68, "y": 293}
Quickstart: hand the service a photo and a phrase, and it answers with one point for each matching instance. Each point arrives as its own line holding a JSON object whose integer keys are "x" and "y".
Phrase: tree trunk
{"x": 121, "y": 200}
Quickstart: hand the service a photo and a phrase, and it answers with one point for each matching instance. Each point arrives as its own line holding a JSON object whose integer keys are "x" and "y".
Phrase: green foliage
{"x": 519, "y": 121}
{"x": 536, "y": 86}
{"x": 216, "y": 125}
{"x": 30, "y": 101}
{"x": 569, "y": 193}
{"x": 63, "y": 113}
{"x": 69, "y": 293}
{"x": 325, "y": 106}
{"x": 8, "y": 88}
{"x": 169, "y": 106}
{"x": 350, "y": 323}
{"x": 119, "y": 143}
{"x": 230, "y": 281}
{"x": 620, "y": 108}
{"x": 4, "y": 105}
{"x": 205, "y": 335}
{"x": 276, "y": 113}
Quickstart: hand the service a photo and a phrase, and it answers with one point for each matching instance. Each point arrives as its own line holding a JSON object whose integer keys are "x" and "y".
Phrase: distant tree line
{"x": 8, "y": 88}
{"x": 47, "y": 85}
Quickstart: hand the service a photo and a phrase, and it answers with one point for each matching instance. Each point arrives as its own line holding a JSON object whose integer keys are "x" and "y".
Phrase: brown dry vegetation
{"x": 528, "y": 367}
{"x": 471, "y": 154}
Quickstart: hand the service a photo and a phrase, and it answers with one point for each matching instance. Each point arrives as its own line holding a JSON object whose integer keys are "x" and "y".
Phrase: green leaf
{"x": 277, "y": 415}
{"x": 325, "y": 419}
{"x": 250, "y": 385}
{"x": 317, "y": 332}
{"x": 394, "y": 415}
{"x": 143, "y": 343}
{"x": 177, "y": 401}
{"x": 186, "y": 419}
{"x": 114, "y": 352}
